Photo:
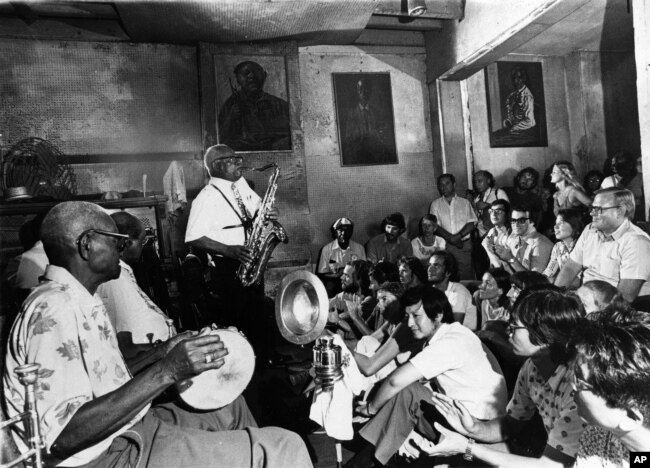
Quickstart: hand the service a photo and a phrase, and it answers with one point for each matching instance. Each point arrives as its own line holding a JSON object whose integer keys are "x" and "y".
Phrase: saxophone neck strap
{"x": 246, "y": 222}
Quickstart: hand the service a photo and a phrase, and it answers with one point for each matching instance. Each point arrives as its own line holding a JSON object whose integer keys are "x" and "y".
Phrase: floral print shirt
{"x": 553, "y": 398}
{"x": 599, "y": 448}
{"x": 67, "y": 331}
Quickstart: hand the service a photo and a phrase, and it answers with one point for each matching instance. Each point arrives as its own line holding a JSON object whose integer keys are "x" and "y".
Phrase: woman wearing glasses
{"x": 541, "y": 323}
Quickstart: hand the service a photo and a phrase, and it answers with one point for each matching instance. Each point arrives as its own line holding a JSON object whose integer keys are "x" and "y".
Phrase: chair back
{"x": 28, "y": 376}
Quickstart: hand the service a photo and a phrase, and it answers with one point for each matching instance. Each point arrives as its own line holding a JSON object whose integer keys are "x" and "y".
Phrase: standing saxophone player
{"x": 220, "y": 216}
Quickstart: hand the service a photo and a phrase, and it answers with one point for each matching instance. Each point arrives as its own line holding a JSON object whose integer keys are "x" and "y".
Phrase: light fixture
{"x": 416, "y": 7}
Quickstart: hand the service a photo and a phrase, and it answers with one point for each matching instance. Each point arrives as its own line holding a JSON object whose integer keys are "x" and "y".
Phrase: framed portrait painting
{"x": 516, "y": 106}
{"x": 364, "y": 112}
{"x": 252, "y": 102}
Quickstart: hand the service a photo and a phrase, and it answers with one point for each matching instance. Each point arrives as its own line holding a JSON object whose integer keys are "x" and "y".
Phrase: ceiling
{"x": 598, "y": 25}
{"x": 309, "y": 22}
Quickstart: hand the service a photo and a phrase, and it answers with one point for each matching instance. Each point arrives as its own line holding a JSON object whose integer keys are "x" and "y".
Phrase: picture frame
{"x": 516, "y": 105}
{"x": 364, "y": 112}
{"x": 252, "y": 102}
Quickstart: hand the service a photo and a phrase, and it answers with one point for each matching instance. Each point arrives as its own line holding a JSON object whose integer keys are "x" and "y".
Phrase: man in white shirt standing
{"x": 441, "y": 271}
{"x": 456, "y": 221}
{"x": 612, "y": 249}
{"x": 220, "y": 215}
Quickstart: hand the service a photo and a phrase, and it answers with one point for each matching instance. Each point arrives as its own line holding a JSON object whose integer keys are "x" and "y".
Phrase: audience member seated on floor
{"x": 389, "y": 245}
{"x": 336, "y": 254}
{"x": 627, "y": 175}
{"x": 499, "y": 232}
{"x": 355, "y": 287}
{"x": 525, "y": 193}
{"x": 91, "y": 410}
{"x": 612, "y": 249}
{"x": 456, "y": 221}
{"x": 569, "y": 192}
{"x": 411, "y": 272}
{"x": 523, "y": 280}
{"x": 426, "y": 243}
{"x": 596, "y": 295}
{"x": 485, "y": 193}
{"x": 491, "y": 298}
{"x": 381, "y": 352}
{"x": 569, "y": 225}
{"x": 379, "y": 273}
{"x": 138, "y": 322}
{"x": 527, "y": 249}
{"x": 612, "y": 378}
{"x": 440, "y": 274}
{"x": 452, "y": 361}
{"x": 541, "y": 323}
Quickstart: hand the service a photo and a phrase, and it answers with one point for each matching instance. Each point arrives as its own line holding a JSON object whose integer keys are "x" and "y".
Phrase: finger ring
{"x": 208, "y": 358}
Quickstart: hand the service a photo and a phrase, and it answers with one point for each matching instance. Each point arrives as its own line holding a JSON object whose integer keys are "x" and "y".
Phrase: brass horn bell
{"x": 301, "y": 307}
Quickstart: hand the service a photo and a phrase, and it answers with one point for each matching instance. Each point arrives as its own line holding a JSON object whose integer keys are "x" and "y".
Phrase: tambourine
{"x": 217, "y": 388}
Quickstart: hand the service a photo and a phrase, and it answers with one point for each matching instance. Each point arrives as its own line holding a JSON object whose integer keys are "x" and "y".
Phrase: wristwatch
{"x": 468, "y": 450}
{"x": 512, "y": 260}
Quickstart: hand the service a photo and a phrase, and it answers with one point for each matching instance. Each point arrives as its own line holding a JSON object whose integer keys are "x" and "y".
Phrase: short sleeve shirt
{"x": 623, "y": 255}
{"x": 455, "y": 358}
{"x": 131, "y": 310}
{"x": 424, "y": 252}
{"x": 333, "y": 257}
{"x": 67, "y": 331}
{"x": 455, "y": 215}
{"x": 553, "y": 399}
{"x": 220, "y": 220}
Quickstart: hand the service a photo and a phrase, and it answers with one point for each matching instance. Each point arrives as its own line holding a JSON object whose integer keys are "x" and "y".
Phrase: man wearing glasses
{"x": 499, "y": 232}
{"x": 220, "y": 216}
{"x": 612, "y": 249}
{"x": 527, "y": 249}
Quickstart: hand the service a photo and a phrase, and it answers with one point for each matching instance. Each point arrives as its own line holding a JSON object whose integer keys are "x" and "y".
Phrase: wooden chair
{"x": 28, "y": 376}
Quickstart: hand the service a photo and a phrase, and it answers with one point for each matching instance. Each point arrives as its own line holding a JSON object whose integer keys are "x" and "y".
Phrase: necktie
{"x": 246, "y": 217}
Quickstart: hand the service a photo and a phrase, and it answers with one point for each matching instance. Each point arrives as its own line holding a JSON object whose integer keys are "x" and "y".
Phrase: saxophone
{"x": 264, "y": 235}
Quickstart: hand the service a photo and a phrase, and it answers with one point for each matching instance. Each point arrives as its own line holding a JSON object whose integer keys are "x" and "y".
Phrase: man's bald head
{"x": 214, "y": 153}
{"x": 65, "y": 223}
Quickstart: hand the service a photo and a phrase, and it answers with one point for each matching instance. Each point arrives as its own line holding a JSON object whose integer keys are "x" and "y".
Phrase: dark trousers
{"x": 243, "y": 307}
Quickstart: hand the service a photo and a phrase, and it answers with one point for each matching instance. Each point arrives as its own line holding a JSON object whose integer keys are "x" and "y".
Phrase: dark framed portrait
{"x": 364, "y": 112}
{"x": 252, "y": 102}
{"x": 515, "y": 102}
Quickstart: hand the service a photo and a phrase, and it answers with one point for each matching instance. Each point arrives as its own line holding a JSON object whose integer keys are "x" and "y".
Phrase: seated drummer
{"x": 91, "y": 410}
{"x": 137, "y": 320}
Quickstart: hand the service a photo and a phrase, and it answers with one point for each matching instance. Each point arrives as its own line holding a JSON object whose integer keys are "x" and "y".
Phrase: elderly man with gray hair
{"x": 92, "y": 411}
{"x": 612, "y": 249}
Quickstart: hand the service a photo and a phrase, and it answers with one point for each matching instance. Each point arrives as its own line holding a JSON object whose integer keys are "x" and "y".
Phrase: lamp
{"x": 416, "y": 7}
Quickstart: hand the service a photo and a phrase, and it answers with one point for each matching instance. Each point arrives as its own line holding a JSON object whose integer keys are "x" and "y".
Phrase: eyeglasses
{"x": 519, "y": 220}
{"x": 496, "y": 210}
{"x": 511, "y": 328}
{"x": 123, "y": 240}
{"x": 597, "y": 210}
{"x": 231, "y": 159}
{"x": 580, "y": 385}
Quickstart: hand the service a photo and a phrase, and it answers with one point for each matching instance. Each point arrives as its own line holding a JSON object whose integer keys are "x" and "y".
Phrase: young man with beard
{"x": 355, "y": 287}
{"x": 527, "y": 249}
{"x": 456, "y": 221}
{"x": 442, "y": 269}
{"x": 390, "y": 245}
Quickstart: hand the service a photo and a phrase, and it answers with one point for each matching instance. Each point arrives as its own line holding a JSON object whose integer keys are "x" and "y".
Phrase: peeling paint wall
{"x": 365, "y": 194}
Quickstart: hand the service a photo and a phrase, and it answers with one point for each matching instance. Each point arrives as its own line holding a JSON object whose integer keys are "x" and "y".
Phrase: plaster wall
{"x": 366, "y": 194}
{"x": 504, "y": 163}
